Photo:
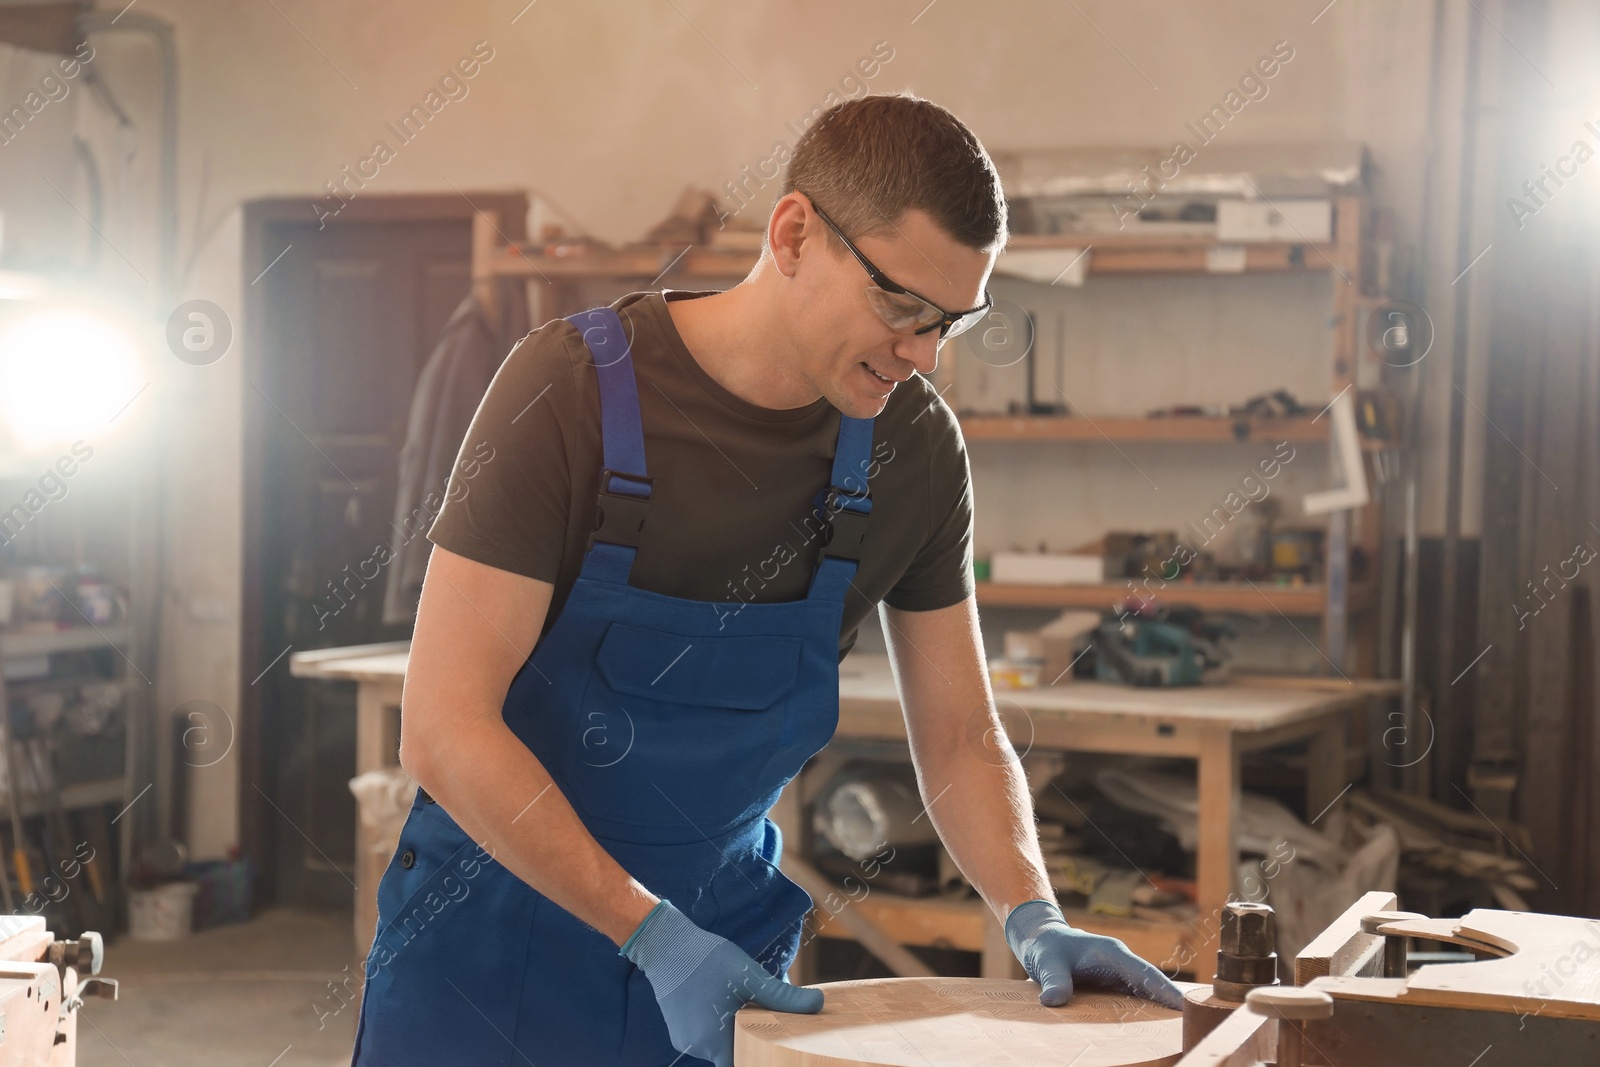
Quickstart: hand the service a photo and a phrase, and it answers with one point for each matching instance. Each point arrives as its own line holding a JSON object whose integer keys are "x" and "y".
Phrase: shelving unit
{"x": 25, "y": 668}
{"x": 1343, "y": 261}
{"x": 1291, "y": 600}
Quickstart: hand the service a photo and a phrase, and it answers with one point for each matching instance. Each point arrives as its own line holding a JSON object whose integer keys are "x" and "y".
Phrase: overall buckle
{"x": 847, "y": 527}
{"x": 620, "y": 516}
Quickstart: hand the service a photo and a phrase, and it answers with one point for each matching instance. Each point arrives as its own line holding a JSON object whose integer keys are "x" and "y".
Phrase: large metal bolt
{"x": 1394, "y": 946}
{"x": 1292, "y": 1006}
{"x": 1247, "y": 929}
{"x": 1247, "y": 949}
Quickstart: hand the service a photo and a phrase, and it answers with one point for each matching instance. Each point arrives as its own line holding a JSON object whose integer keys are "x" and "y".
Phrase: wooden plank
{"x": 1209, "y": 596}
{"x": 942, "y": 1022}
{"x": 1326, "y": 772}
{"x": 1175, "y": 428}
{"x": 1446, "y": 931}
{"x": 1554, "y": 959}
{"x": 859, "y": 924}
{"x": 1342, "y": 948}
{"x": 959, "y": 923}
{"x": 1243, "y": 1039}
{"x": 1218, "y": 851}
{"x": 1367, "y": 687}
{"x": 933, "y": 921}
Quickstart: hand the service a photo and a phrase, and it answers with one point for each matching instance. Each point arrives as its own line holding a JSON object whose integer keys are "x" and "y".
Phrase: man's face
{"x": 849, "y": 354}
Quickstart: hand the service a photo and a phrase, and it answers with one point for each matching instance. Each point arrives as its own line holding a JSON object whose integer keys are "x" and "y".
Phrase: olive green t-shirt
{"x": 731, "y": 512}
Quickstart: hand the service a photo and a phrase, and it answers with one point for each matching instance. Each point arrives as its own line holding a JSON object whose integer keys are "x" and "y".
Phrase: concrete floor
{"x": 252, "y": 995}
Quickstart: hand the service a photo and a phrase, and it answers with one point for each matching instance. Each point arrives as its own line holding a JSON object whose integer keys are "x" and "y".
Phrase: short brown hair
{"x": 867, "y": 160}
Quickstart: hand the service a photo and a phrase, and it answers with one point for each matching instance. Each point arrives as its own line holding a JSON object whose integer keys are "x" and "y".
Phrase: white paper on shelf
{"x": 1052, "y": 266}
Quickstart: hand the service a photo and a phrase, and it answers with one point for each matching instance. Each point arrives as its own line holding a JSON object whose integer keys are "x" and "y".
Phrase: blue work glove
{"x": 701, "y": 980}
{"x": 1054, "y": 954}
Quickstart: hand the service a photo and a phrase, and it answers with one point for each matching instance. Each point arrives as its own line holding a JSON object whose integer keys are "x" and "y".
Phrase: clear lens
{"x": 902, "y": 311}
{"x": 966, "y": 322}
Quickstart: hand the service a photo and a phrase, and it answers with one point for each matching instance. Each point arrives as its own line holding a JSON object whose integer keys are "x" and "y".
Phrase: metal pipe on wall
{"x": 147, "y": 520}
{"x": 1450, "y": 564}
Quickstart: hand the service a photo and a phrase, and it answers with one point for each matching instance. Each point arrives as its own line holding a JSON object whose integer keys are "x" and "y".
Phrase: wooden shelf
{"x": 1215, "y": 429}
{"x": 701, "y": 261}
{"x": 1302, "y": 600}
{"x": 1112, "y": 254}
{"x": 20, "y": 644}
{"x": 74, "y": 796}
{"x": 1179, "y": 253}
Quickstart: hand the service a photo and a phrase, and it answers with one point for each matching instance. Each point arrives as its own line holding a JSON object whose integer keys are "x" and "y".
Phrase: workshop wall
{"x": 610, "y": 108}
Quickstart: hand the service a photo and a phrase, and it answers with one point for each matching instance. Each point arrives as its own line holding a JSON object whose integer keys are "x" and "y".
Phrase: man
{"x": 694, "y": 501}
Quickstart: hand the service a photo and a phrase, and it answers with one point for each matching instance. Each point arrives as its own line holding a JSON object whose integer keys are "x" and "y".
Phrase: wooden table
{"x": 1213, "y": 725}
{"x": 379, "y": 672}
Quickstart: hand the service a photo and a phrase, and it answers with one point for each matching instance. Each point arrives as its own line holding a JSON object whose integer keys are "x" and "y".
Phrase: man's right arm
{"x": 476, "y": 626}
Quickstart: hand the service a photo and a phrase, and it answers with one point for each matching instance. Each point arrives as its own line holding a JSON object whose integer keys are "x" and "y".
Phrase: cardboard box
{"x": 1039, "y": 568}
{"x": 1055, "y": 645}
{"x": 1294, "y": 221}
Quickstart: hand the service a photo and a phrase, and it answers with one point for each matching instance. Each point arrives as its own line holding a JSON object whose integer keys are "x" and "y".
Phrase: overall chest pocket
{"x": 676, "y": 733}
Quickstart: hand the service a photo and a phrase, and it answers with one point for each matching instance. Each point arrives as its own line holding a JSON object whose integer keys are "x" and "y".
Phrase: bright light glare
{"x": 63, "y": 374}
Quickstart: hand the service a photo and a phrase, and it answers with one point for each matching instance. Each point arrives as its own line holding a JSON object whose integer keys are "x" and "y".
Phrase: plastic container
{"x": 1007, "y": 673}
{"x": 225, "y": 891}
{"x": 165, "y": 913}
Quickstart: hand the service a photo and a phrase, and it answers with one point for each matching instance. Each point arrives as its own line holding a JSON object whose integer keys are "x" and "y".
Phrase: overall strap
{"x": 624, "y": 490}
{"x": 842, "y": 508}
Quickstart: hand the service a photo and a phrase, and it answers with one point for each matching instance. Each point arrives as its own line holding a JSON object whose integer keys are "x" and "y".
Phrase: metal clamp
{"x": 1293, "y": 1007}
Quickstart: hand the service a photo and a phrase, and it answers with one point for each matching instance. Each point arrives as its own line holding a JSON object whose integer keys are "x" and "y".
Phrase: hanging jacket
{"x": 448, "y": 391}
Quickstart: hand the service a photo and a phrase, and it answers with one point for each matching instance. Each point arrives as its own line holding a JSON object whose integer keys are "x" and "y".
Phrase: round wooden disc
{"x": 959, "y": 1022}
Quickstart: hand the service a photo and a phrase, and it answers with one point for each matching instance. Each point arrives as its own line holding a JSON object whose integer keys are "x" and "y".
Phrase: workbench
{"x": 1213, "y": 725}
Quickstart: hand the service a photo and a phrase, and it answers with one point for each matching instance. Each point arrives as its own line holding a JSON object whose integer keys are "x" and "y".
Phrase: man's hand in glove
{"x": 1054, "y": 955}
{"x": 701, "y": 980}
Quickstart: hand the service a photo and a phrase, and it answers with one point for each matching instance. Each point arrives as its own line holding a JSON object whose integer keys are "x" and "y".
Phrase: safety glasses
{"x": 902, "y": 310}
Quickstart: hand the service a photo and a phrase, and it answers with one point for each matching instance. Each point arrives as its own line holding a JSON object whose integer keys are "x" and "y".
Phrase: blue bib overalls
{"x": 671, "y": 725}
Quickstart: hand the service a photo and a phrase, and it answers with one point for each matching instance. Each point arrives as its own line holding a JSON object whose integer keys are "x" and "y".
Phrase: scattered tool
{"x": 1151, "y": 652}
{"x": 61, "y": 851}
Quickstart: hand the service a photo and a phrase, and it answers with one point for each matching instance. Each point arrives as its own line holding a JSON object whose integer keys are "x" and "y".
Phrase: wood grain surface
{"x": 959, "y": 1022}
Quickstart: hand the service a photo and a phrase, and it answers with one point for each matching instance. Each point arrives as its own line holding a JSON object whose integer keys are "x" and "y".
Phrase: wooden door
{"x": 349, "y": 316}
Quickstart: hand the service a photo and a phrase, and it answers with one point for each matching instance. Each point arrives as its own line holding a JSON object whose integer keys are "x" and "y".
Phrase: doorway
{"x": 338, "y": 329}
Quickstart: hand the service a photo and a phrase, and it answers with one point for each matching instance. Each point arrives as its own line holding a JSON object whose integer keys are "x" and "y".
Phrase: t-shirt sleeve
{"x": 510, "y": 493}
{"x": 941, "y": 572}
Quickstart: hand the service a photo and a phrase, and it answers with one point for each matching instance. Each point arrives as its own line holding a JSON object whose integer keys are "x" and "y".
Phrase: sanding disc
{"x": 959, "y": 1022}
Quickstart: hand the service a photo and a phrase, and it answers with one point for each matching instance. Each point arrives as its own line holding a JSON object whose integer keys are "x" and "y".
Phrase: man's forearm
{"x": 503, "y": 798}
{"x": 984, "y": 815}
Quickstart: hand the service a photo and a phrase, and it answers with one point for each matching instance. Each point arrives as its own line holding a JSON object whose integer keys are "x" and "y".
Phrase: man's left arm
{"x": 977, "y": 797}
